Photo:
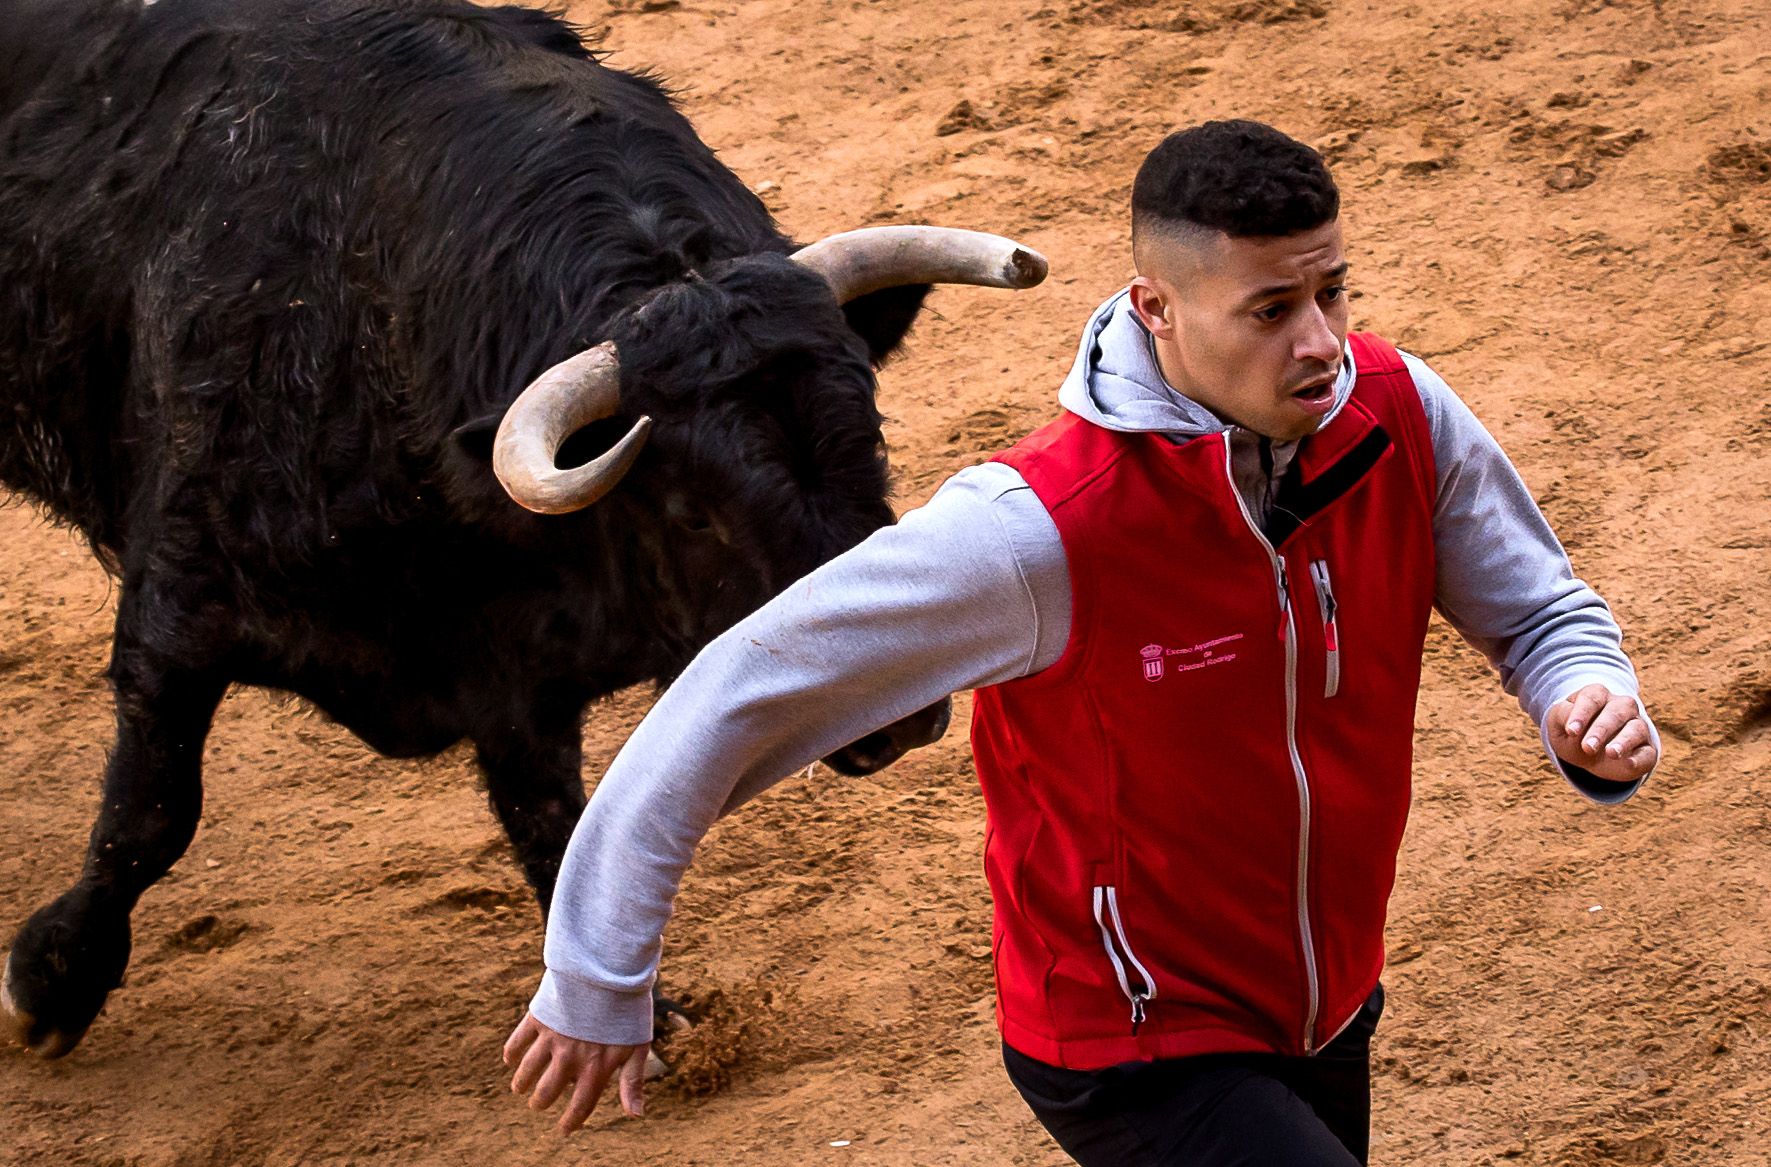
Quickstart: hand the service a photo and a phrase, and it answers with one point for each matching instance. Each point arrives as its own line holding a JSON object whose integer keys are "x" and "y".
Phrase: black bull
{"x": 273, "y": 273}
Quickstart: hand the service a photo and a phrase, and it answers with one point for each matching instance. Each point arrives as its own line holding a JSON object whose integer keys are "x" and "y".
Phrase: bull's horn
{"x": 556, "y": 405}
{"x": 857, "y": 262}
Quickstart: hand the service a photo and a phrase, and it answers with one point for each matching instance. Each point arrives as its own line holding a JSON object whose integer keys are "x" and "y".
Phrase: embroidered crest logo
{"x": 1219, "y": 651}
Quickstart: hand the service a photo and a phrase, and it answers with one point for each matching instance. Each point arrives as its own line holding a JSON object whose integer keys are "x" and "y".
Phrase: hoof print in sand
{"x": 477, "y": 899}
{"x": 207, "y": 933}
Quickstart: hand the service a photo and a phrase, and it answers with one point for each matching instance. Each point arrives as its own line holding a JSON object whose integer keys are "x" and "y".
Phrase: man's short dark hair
{"x": 1239, "y": 177}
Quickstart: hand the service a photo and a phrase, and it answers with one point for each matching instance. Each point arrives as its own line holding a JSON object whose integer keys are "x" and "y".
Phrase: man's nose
{"x": 1316, "y": 342}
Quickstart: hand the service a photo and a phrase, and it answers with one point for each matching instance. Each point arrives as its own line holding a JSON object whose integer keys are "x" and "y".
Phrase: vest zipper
{"x": 1305, "y": 933}
{"x": 1284, "y": 603}
{"x": 1331, "y": 636}
{"x": 1137, "y": 991}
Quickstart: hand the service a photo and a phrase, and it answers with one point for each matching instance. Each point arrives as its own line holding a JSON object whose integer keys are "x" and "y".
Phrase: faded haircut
{"x": 1240, "y": 177}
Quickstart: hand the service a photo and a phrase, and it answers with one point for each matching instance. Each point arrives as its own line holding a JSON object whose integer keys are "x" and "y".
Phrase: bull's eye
{"x": 688, "y": 516}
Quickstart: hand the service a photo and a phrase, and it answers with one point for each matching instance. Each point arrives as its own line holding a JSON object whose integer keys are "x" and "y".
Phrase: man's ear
{"x": 473, "y": 440}
{"x": 1151, "y": 303}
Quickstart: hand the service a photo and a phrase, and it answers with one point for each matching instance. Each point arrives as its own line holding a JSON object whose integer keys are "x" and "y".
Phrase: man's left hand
{"x": 1604, "y": 733}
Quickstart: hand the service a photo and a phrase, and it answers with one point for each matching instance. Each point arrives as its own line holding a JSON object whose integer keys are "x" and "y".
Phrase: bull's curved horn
{"x": 561, "y": 401}
{"x": 857, "y": 262}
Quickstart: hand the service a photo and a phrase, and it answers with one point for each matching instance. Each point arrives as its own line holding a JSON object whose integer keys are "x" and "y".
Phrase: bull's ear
{"x": 474, "y": 440}
{"x": 883, "y": 317}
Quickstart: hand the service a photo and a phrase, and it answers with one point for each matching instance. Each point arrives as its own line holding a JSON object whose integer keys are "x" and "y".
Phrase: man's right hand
{"x": 550, "y": 1064}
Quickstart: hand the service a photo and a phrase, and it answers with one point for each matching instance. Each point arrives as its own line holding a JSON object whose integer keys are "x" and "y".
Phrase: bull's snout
{"x": 881, "y": 748}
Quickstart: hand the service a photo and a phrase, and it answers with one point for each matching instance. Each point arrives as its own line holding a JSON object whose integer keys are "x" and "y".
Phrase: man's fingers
{"x": 559, "y": 1075}
{"x": 1586, "y": 705}
{"x": 1629, "y": 739}
{"x": 582, "y": 1102}
{"x": 1603, "y": 733}
{"x": 1618, "y": 712}
{"x": 521, "y": 1038}
{"x": 551, "y": 1065}
{"x": 529, "y": 1072}
{"x": 1629, "y": 768}
{"x": 633, "y": 1082}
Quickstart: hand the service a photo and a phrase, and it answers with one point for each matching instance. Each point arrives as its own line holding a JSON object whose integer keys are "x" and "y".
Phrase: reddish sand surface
{"x": 1565, "y": 206}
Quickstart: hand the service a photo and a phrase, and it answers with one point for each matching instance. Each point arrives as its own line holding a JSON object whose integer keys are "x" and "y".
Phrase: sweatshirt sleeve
{"x": 1505, "y": 583}
{"x": 969, "y": 590}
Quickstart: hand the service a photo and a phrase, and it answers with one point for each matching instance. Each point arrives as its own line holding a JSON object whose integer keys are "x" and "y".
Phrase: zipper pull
{"x": 1325, "y": 594}
{"x": 1138, "y": 997}
{"x": 1331, "y": 633}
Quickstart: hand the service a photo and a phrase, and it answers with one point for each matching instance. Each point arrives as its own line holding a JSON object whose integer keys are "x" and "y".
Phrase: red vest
{"x": 1194, "y": 813}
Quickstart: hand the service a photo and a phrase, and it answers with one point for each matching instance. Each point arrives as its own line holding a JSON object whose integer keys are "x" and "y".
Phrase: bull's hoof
{"x": 37, "y": 1036}
{"x": 64, "y": 963}
{"x": 668, "y": 1018}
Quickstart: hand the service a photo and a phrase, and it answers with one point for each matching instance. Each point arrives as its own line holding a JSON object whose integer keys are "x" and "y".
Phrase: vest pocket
{"x": 1134, "y": 979}
{"x": 1331, "y": 634}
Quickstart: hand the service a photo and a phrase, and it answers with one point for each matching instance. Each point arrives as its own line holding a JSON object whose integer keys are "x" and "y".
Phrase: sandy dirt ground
{"x": 1565, "y": 206}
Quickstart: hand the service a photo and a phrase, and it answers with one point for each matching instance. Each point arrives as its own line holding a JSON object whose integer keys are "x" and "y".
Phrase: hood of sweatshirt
{"x": 1117, "y": 383}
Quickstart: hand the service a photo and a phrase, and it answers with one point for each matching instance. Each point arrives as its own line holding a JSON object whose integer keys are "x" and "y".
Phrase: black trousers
{"x": 1215, "y": 1110}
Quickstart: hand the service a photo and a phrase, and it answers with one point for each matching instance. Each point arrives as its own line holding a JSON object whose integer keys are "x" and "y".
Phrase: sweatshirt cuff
{"x": 589, "y": 1012}
{"x": 1593, "y": 787}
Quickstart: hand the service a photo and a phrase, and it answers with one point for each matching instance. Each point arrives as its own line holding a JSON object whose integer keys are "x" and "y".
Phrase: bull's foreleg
{"x": 72, "y": 952}
{"x": 538, "y": 794}
{"x": 535, "y": 788}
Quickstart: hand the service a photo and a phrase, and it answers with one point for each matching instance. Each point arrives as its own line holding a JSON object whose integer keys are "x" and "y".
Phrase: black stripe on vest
{"x": 1297, "y": 502}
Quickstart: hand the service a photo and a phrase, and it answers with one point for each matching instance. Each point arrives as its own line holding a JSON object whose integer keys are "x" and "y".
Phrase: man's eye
{"x": 1270, "y": 313}
{"x": 1335, "y": 292}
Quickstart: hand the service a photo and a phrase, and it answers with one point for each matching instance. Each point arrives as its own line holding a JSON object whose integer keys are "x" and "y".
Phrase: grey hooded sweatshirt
{"x": 970, "y": 590}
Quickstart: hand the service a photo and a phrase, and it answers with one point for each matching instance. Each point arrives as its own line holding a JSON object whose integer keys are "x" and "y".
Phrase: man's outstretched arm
{"x": 967, "y": 591}
{"x": 1506, "y": 585}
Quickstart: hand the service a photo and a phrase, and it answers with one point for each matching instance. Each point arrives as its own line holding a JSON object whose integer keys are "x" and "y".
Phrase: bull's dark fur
{"x": 272, "y": 272}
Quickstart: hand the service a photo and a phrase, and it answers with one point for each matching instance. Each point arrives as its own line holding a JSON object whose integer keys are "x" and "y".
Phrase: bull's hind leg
{"x": 72, "y": 952}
